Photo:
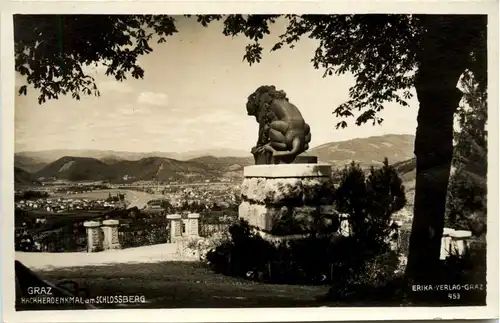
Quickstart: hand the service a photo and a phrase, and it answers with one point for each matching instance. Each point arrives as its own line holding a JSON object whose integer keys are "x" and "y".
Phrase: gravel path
{"x": 146, "y": 254}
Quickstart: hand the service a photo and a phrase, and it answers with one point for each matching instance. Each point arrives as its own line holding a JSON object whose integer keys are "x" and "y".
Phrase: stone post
{"x": 94, "y": 242}
{"x": 395, "y": 243}
{"x": 459, "y": 241}
{"x": 193, "y": 225}
{"x": 285, "y": 199}
{"x": 110, "y": 229}
{"x": 175, "y": 226}
{"x": 446, "y": 243}
{"x": 345, "y": 227}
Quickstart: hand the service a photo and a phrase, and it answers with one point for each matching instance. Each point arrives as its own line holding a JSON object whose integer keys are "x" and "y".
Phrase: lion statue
{"x": 283, "y": 133}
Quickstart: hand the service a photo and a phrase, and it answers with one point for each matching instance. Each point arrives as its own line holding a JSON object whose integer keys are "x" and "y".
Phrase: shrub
{"x": 365, "y": 276}
{"x": 321, "y": 259}
{"x": 143, "y": 229}
{"x": 209, "y": 244}
{"x": 24, "y": 241}
{"x": 468, "y": 268}
{"x": 245, "y": 252}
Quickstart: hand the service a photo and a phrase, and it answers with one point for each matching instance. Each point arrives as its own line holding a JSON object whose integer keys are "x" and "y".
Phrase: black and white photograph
{"x": 252, "y": 161}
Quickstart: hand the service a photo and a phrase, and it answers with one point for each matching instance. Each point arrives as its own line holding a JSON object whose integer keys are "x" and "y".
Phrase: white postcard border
{"x": 257, "y": 314}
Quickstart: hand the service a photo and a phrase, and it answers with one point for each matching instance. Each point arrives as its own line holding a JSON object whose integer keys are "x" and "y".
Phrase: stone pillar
{"x": 285, "y": 199}
{"x": 175, "y": 226}
{"x": 446, "y": 243}
{"x": 193, "y": 225}
{"x": 94, "y": 242}
{"x": 110, "y": 229}
{"x": 459, "y": 241}
{"x": 345, "y": 227}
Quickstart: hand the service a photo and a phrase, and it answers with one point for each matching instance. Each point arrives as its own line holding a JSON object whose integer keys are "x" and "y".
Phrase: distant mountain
{"x": 146, "y": 169}
{"x": 49, "y": 156}
{"x": 224, "y": 163}
{"x": 210, "y": 164}
{"x": 367, "y": 152}
{"x": 111, "y": 156}
{"x": 218, "y": 152}
{"x": 29, "y": 164}
{"x": 162, "y": 169}
{"x": 110, "y": 160}
{"x": 76, "y": 169}
{"x": 23, "y": 177}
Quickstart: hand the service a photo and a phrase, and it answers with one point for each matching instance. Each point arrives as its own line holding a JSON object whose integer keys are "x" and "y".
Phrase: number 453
{"x": 453, "y": 296}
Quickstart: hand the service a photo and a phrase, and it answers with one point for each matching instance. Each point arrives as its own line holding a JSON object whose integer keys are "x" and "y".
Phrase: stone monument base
{"x": 287, "y": 199}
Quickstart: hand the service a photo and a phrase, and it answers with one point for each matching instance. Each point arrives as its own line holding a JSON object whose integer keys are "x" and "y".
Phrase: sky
{"x": 193, "y": 97}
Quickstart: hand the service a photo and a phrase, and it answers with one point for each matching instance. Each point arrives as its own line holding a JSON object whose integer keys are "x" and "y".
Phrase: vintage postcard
{"x": 240, "y": 161}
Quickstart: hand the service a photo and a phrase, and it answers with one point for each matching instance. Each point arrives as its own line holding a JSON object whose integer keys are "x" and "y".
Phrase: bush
{"x": 466, "y": 274}
{"x": 322, "y": 259}
{"x": 468, "y": 268}
{"x": 366, "y": 277}
{"x": 209, "y": 244}
{"x": 144, "y": 229}
{"x": 30, "y": 195}
{"x": 24, "y": 241}
{"x": 245, "y": 252}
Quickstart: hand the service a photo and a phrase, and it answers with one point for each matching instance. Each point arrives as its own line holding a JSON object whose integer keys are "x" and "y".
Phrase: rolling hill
{"x": 224, "y": 163}
{"x": 407, "y": 169}
{"x": 162, "y": 169}
{"x": 367, "y": 152}
{"x": 29, "y": 164}
{"x": 115, "y": 166}
{"x": 23, "y": 177}
{"x": 146, "y": 169}
{"x": 49, "y": 156}
{"x": 75, "y": 169}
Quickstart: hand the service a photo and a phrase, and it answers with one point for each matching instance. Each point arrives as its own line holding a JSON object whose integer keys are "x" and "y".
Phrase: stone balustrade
{"x": 94, "y": 236}
{"x": 193, "y": 225}
{"x": 110, "y": 229}
{"x": 175, "y": 227}
{"x": 102, "y": 236}
{"x": 454, "y": 242}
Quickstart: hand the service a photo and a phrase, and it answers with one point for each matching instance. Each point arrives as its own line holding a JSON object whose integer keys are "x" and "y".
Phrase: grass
{"x": 183, "y": 285}
{"x": 192, "y": 285}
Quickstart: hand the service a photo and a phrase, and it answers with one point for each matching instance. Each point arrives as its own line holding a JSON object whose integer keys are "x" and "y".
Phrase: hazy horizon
{"x": 193, "y": 151}
{"x": 193, "y": 97}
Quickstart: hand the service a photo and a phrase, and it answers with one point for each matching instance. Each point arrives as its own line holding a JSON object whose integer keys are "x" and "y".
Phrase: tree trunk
{"x": 442, "y": 58}
{"x": 434, "y": 150}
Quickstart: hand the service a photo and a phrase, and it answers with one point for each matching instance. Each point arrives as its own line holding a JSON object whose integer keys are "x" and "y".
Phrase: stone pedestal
{"x": 94, "y": 241}
{"x": 175, "y": 227}
{"x": 193, "y": 225}
{"x": 285, "y": 199}
{"x": 110, "y": 229}
{"x": 459, "y": 241}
